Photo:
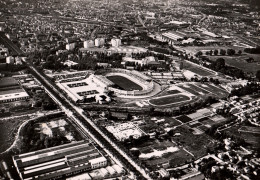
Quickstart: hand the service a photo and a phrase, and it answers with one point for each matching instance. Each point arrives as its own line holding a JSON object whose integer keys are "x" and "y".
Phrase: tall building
{"x": 88, "y": 44}
{"x": 9, "y": 60}
{"x": 99, "y": 42}
{"x": 70, "y": 46}
{"x": 116, "y": 42}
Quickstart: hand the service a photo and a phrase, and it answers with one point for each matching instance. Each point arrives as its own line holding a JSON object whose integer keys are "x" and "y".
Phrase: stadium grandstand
{"x": 59, "y": 162}
{"x": 82, "y": 88}
{"x": 102, "y": 81}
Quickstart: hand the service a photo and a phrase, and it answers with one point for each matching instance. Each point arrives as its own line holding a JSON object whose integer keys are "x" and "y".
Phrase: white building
{"x": 99, "y": 42}
{"x": 98, "y": 162}
{"x": 89, "y": 44}
{"x": 70, "y": 46}
{"x": 116, "y": 42}
{"x": 9, "y": 96}
{"x": 9, "y": 60}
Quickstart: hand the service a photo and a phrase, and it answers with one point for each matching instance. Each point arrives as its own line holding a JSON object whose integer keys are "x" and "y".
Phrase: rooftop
{"x": 60, "y": 160}
{"x": 7, "y": 82}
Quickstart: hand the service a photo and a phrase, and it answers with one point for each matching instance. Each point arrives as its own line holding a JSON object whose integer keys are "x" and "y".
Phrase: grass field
{"x": 197, "y": 69}
{"x": 167, "y": 100}
{"x": 184, "y": 119}
{"x": 171, "y": 121}
{"x": 187, "y": 87}
{"x": 8, "y": 129}
{"x": 239, "y": 62}
{"x": 199, "y": 89}
{"x": 236, "y": 61}
{"x": 195, "y": 144}
{"x": 251, "y": 138}
{"x": 195, "y": 125}
{"x": 124, "y": 83}
{"x": 213, "y": 89}
{"x": 177, "y": 158}
{"x": 174, "y": 91}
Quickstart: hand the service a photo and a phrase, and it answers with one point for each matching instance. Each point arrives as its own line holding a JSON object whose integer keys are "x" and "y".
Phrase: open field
{"x": 184, "y": 119}
{"x": 239, "y": 62}
{"x": 173, "y": 158}
{"x": 197, "y": 69}
{"x": 174, "y": 91}
{"x": 168, "y": 100}
{"x": 200, "y": 89}
{"x": 194, "y": 125}
{"x": 8, "y": 129}
{"x": 124, "y": 83}
{"x": 220, "y": 92}
{"x": 195, "y": 144}
{"x": 236, "y": 61}
{"x": 171, "y": 121}
{"x": 197, "y": 91}
{"x": 251, "y": 138}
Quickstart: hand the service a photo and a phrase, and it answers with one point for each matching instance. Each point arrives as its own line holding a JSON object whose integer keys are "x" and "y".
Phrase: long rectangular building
{"x": 59, "y": 162}
{"x": 10, "y": 90}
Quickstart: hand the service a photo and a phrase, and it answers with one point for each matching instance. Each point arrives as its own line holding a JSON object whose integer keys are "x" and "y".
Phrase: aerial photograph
{"x": 130, "y": 89}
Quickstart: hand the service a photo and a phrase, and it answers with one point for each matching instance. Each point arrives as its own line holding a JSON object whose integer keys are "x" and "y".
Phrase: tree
{"x": 220, "y": 63}
{"x": 231, "y": 52}
{"x": 199, "y": 54}
{"x": 258, "y": 75}
{"x": 215, "y": 52}
{"x": 223, "y": 52}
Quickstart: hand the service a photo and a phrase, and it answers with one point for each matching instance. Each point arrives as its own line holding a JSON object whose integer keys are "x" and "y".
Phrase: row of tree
{"x": 222, "y": 52}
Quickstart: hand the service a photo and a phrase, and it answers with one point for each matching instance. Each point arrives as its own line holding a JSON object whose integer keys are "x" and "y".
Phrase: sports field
{"x": 220, "y": 92}
{"x": 168, "y": 100}
{"x": 197, "y": 69}
{"x": 124, "y": 83}
{"x": 199, "y": 89}
{"x": 174, "y": 91}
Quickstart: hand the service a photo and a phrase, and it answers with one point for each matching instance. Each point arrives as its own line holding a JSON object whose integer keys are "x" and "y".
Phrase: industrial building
{"x": 172, "y": 36}
{"x": 10, "y": 90}
{"x": 59, "y": 162}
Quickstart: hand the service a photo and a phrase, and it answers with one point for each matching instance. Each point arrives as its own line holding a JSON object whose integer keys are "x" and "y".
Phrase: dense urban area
{"x": 130, "y": 89}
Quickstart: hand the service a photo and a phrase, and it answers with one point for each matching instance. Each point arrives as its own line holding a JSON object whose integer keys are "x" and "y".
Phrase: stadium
{"x": 129, "y": 83}
{"x": 124, "y": 84}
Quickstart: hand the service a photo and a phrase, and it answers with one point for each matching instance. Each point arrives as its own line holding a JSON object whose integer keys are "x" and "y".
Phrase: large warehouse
{"x": 10, "y": 90}
{"x": 59, "y": 162}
